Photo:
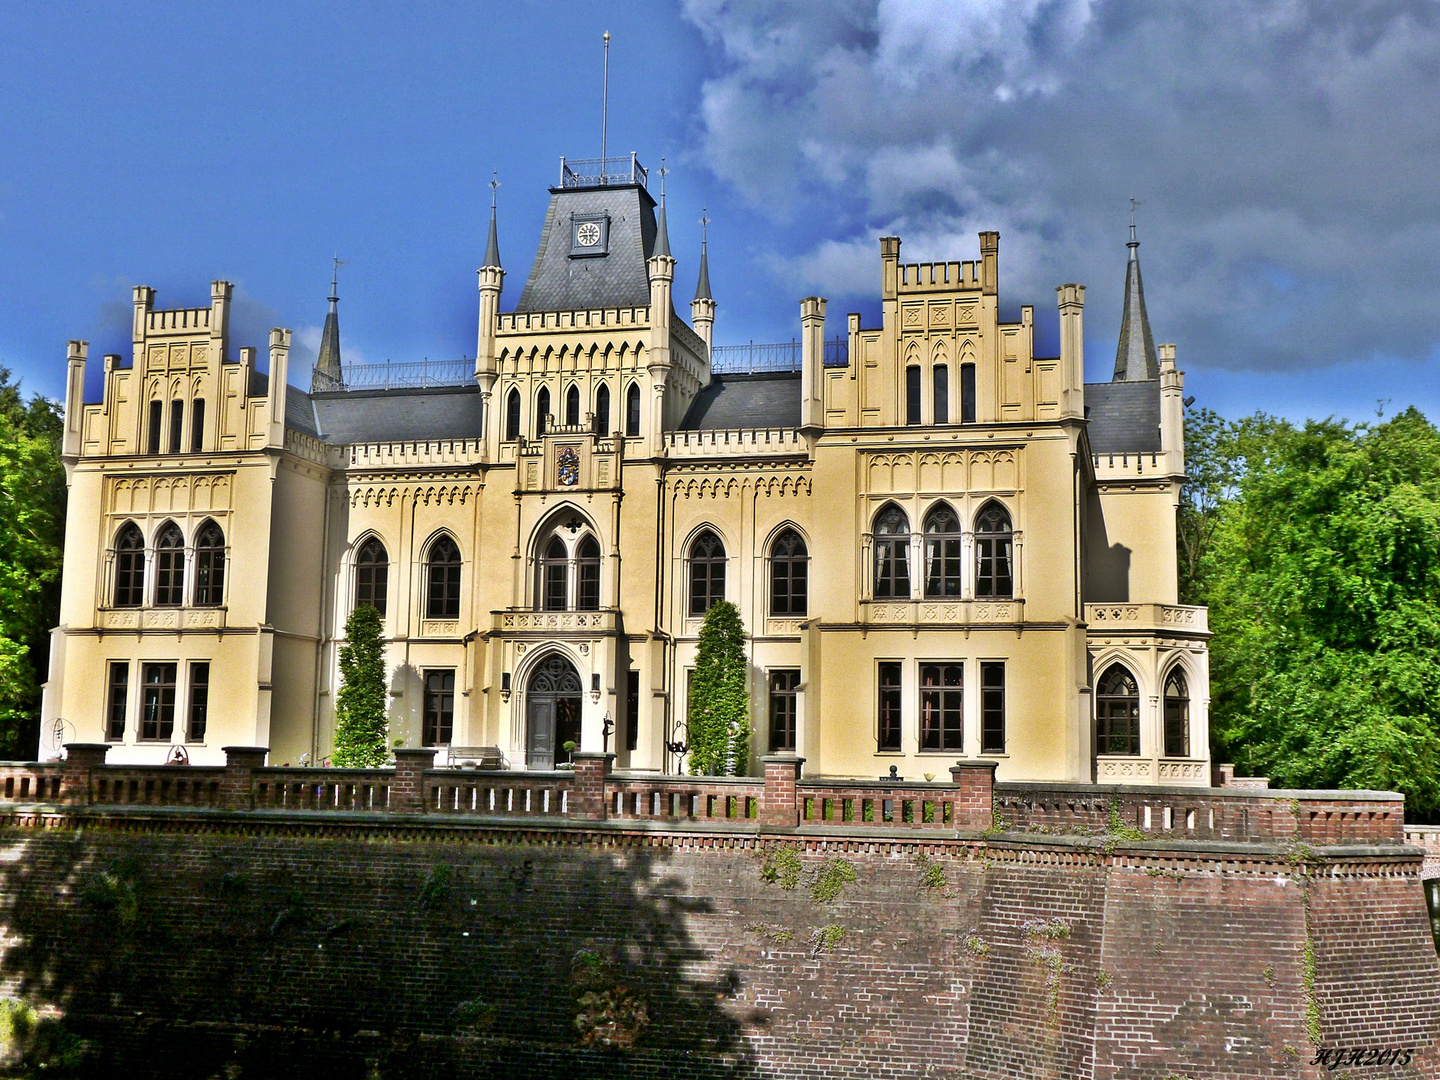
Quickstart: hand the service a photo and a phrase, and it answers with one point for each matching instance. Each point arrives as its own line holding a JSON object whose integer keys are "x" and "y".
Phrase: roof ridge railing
{"x": 602, "y": 172}
{"x": 404, "y": 375}
{"x": 778, "y": 356}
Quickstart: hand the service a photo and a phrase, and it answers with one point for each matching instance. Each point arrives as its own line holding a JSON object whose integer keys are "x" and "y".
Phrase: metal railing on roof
{"x": 601, "y": 172}
{"x": 780, "y": 356}
{"x": 408, "y": 375}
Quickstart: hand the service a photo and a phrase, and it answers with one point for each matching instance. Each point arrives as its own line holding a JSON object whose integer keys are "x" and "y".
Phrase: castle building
{"x": 942, "y": 545}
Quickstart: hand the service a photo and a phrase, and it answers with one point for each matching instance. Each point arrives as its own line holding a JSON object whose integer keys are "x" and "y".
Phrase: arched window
{"x": 554, "y": 576}
{"x": 372, "y": 575}
{"x": 707, "y": 572}
{"x": 912, "y": 394}
{"x": 587, "y": 594}
{"x": 1177, "y": 715}
{"x": 542, "y": 410}
{"x": 942, "y": 394}
{"x": 209, "y": 566}
{"x": 1117, "y": 712}
{"x": 789, "y": 574}
{"x": 154, "y": 430}
{"x": 942, "y": 552}
{"x": 177, "y": 424}
{"x": 442, "y": 599}
{"x": 197, "y": 425}
{"x": 572, "y": 406}
{"x": 892, "y": 554}
{"x": 967, "y": 393}
{"x": 129, "y": 567}
{"x": 994, "y": 552}
{"x": 602, "y": 410}
{"x": 170, "y": 567}
{"x": 512, "y": 415}
{"x": 632, "y": 410}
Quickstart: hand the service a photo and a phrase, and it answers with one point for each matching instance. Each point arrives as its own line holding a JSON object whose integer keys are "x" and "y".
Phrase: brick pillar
{"x": 75, "y": 774}
{"x": 587, "y": 797}
{"x": 780, "y": 806}
{"x": 407, "y": 790}
{"x": 975, "y": 809}
{"x": 237, "y": 790}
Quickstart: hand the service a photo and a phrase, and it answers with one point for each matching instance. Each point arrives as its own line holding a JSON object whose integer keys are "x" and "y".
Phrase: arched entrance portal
{"x": 552, "y": 713}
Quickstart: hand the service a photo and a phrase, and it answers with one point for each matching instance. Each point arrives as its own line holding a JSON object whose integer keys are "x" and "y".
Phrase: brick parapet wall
{"x": 1033, "y": 956}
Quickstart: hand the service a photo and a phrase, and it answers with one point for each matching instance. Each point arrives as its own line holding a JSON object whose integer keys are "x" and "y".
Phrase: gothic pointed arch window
{"x": 789, "y": 574}
{"x": 587, "y": 587}
{"x": 1117, "y": 712}
{"x": 941, "y": 376}
{"x": 442, "y": 579}
{"x": 209, "y": 565}
{"x": 129, "y": 567}
{"x": 169, "y": 566}
{"x": 1177, "y": 714}
{"x": 542, "y": 410}
{"x": 372, "y": 575}
{"x": 707, "y": 572}
{"x": 572, "y": 406}
{"x": 942, "y": 552}
{"x": 632, "y": 409}
{"x": 892, "y": 554}
{"x": 555, "y": 576}
{"x": 994, "y": 552}
{"x": 602, "y": 410}
{"x": 912, "y": 394}
{"x": 512, "y": 415}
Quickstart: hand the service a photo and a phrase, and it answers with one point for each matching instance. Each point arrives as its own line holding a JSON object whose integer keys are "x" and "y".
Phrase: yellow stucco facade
{"x": 544, "y": 538}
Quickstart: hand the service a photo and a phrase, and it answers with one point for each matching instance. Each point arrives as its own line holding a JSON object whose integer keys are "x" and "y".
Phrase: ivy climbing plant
{"x": 360, "y": 726}
{"x": 719, "y": 707}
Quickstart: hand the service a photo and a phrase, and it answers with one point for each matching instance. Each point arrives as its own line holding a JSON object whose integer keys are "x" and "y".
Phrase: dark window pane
{"x": 1177, "y": 715}
{"x": 555, "y": 576}
{"x": 632, "y": 710}
{"x": 942, "y": 552}
{"x": 912, "y": 395}
{"x": 587, "y": 593}
{"x": 157, "y": 412}
{"x": 439, "y": 718}
{"x": 177, "y": 424}
{"x": 789, "y": 572}
{"x": 892, "y": 554}
{"x": 942, "y": 394}
{"x": 119, "y": 700}
{"x": 157, "y": 703}
{"x": 967, "y": 393}
{"x": 542, "y": 410}
{"x": 1117, "y": 712}
{"x": 888, "y": 735}
{"x": 992, "y": 708}
{"x": 632, "y": 410}
{"x": 170, "y": 567}
{"x": 994, "y": 553}
{"x": 572, "y": 406}
{"x": 941, "y": 707}
{"x": 209, "y": 566}
{"x": 783, "y": 687}
{"x": 372, "y": 575}
{"x": 512, "y": 416}
{"x": 197, "y": 425}
{"x": 199, "y": 701}
{"x": 443, "y": 595}
{"x": 602, "y": 410}
{"x": 707, "y": 573}
{"x": 129, "y": 568}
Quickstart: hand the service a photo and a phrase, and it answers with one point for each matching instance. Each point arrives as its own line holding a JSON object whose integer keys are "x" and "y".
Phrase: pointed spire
{"x": 662, "y": 233}
{"x": 1135, "y": 358}
{"x": 328, "y": 374}
{"x": 492, "y": 245}
{"x": 702, "y": 287}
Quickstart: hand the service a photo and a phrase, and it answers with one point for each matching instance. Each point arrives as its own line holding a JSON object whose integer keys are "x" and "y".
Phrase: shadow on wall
{"x": 227, "y": 956}
{"x": 407, "y": 689}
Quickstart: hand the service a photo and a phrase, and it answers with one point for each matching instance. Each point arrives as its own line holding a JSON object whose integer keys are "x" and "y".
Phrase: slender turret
{"x": 328, "y": 374}
{"x": 702, "y": 308}
{"x": 1135, "y": 357}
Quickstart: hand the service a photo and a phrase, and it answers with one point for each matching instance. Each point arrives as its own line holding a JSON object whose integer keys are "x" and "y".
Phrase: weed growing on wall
{"x": 932, "y": 874}
{"x": 719, "y": 706}
{"x": 361, "y": 732}
{"x": 781, "y": 867}
{"x": 830, "y": 880}
{"x": 437, "y": 886}
{"x": 826, "y": 938}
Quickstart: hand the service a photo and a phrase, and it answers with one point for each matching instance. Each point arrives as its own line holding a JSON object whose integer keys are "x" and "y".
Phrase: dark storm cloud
{"x": 1286, "y": 154}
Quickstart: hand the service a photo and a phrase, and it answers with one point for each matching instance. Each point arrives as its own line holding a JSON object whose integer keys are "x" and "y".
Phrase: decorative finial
{"x": 663, "y": 172}
{"x": 494, "y": 186}
{"x": 335, "y": 278}
{"x": 704, "y": 227}
{"x": 605, "y": 107}
{"x": 1133, "y": 204}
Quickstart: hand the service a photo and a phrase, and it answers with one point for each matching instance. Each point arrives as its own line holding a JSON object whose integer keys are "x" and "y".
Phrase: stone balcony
{"x": 527, "y": 621}
{"x": 1130, "y": 618}
{"x": 946, "y": 612}
{"x": 161, "y": 618}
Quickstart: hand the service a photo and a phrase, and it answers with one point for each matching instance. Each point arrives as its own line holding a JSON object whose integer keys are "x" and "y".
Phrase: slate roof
{"x": 299, "y": 412}
{"x": 451, "y": 412}
{"x": 770, "y": 400}
{"x": 1124, "y": 416}
{"x": 618, "y": 279}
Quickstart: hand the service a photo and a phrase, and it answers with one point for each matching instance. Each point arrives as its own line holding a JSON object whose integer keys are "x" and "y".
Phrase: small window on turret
{"x": 177, "y": 425}
{"x": 912, "y": 395}
{"x": 197, "y": 425}
{"x": 632, "y": 410}
{"x": 967, "y": 393}
{"x": 157, "y": 413}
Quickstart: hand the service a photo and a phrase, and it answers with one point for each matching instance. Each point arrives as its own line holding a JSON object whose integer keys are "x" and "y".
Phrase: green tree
{"x": 360, "y": 727}
{"x": 32, "y": 528}
{"x": 1322, "y": 574}
{"x": 719, "y": 719}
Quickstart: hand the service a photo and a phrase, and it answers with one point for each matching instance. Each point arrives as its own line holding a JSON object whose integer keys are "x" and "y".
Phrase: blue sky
{"x": 1285, "y": 155}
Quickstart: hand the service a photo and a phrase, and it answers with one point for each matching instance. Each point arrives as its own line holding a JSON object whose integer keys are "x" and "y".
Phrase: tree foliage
{"x": 32, "y": 528}
{"x": 719, "y": 717}
{"x": 1319, "y": 558}
{"x": 361, "y": 731}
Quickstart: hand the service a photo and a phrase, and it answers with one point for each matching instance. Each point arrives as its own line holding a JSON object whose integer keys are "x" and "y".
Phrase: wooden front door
{"x": 552, "y": 713}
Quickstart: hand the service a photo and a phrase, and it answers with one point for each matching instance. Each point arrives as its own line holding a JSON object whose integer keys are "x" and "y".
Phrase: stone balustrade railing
{"x": 592, "y": 791}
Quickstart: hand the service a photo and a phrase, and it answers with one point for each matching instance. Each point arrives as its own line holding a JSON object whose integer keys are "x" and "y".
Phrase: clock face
{"x": 588, "y": 234}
